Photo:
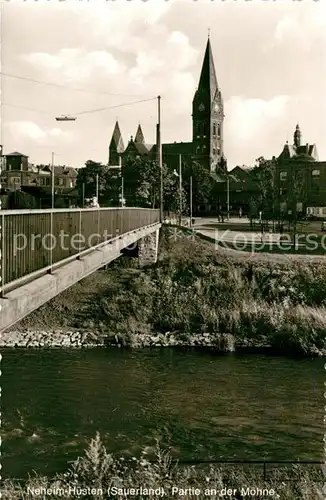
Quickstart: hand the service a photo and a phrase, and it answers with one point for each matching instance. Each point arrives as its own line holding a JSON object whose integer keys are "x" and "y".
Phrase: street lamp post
{"x": 190, "y": 201}
{"x": 180, "y": 189}
{"x": 159, "y": 155}
{"x": 228, "y": 196}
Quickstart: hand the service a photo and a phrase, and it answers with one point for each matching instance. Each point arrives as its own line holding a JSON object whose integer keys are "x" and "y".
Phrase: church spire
{"x": 116, "y": 146}
{"x": 208, "y": 80}
{"x": 117, "y": 141}
{"x": 139, "y": 137}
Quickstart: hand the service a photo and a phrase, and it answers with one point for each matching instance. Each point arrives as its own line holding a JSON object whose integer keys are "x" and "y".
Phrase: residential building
{"x": 300, "y": 182}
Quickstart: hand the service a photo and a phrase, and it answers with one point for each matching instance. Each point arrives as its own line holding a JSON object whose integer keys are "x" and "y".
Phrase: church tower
{"x": 208, "y": 116}
{"x": 116, "y": 146}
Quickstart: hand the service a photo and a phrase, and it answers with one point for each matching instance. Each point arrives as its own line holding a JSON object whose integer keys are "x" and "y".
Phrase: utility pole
{"x": 180, "y": 189}
{"x": 122, "y": 192}
{"x": 97, "y": 188}
{"x": 191, "y": 201}
{"x": 83, "y": 195}
{"x": 228, "y": 196}
{"x": 52, "y": 180}
{"x": 159, "y": 156}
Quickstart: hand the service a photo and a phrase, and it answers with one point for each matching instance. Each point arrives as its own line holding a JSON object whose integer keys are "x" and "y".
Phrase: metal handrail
{"x": 68, "y": 210}
{"x": 12, "y": 285}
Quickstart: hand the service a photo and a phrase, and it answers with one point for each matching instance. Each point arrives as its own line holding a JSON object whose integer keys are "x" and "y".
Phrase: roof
{"x": 61, "y": 170}
{"x": 138, "y": 147}
{"x": 208, "y": 80}
{"x": 116, "y": 140}
{"x": 16, "y": 153}
{"x": 308, "y": 152}
{"x": 176, "y": 148}
{"x": 218, "y": 177}
{"x": 139, "y": 137}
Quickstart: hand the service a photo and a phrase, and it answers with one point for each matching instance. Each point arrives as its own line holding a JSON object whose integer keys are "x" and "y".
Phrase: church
{"x": 206, "y": 147}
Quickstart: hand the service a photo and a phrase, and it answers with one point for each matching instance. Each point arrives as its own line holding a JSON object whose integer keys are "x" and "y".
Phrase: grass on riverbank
{"x": 100, "y": 470}
{"x": 196, "y": 289}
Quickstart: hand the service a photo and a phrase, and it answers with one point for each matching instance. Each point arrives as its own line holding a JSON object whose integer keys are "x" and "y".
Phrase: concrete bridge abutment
{"x": 148, "y": 248}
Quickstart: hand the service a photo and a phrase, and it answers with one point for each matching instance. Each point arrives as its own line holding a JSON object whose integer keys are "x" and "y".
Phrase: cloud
{"x": 75, "y": 64}
{"x": 250, "y": 118}
{"x": 30, "y": 130}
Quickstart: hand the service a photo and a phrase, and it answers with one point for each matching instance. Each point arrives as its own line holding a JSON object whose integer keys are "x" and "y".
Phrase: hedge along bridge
{"x": 44, "y": 252}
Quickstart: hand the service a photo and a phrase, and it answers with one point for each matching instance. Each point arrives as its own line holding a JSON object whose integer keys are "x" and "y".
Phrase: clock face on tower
{"x": 201, "y": 107}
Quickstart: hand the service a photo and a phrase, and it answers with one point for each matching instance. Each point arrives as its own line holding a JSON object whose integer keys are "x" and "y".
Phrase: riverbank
{"x": 99, "y": 475}
{"x": 193, "y": 296}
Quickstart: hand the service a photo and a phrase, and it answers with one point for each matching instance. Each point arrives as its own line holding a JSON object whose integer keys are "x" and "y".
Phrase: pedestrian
{"x": 240, "y": 212}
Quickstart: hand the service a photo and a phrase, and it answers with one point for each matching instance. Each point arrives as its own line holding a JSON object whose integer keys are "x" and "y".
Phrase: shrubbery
{"x": 100, "y": 470}
{"x": 195, "y": 289}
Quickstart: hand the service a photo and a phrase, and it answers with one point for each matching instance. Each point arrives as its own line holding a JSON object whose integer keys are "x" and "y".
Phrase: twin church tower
{"x": 206, "y": 147}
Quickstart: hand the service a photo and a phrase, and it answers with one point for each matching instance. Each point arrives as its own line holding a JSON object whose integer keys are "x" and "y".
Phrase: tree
{"x": 108, "y": 183}
{"x": 202, "y": 183}
{"x": 21, "y": 200}
{"x": 263, "y": 179}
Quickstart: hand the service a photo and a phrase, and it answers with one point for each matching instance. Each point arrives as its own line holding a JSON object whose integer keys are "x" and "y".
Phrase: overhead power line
{"x": 111, "y": 107}
{"x": 81, "y": 112}
{"x": 53, "y": 84}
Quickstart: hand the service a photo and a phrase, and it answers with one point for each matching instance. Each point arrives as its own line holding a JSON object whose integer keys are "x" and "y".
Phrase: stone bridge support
{"x": 148, "y": 248}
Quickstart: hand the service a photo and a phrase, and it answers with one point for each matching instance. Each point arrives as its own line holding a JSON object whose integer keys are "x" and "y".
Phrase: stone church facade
{"x": 206, "y": 147}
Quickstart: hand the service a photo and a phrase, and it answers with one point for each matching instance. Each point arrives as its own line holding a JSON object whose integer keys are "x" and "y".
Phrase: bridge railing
{"x": 35, "y": 240}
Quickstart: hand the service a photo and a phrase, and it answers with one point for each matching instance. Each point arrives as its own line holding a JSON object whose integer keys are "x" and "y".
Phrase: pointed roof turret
{"x": 297, "y": 136}
{"x": 208, "y": 80}
{"x": 117, "y": 141}
{"x": 139, "y": 137}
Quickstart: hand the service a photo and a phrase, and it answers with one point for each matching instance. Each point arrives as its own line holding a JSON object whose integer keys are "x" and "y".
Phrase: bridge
{"x": 44, "y": 252}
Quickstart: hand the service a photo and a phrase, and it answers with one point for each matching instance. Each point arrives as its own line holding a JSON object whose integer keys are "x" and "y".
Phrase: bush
{"x": 100, "y": 470}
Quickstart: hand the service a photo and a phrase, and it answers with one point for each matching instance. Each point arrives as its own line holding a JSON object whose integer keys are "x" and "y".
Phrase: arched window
{"x": 198, "y": 128}
{"x": 214, "y": 128}
{"x": 197, "y": 150}
{"x": 204, "y": 149}
{"x": 219, "y": 130}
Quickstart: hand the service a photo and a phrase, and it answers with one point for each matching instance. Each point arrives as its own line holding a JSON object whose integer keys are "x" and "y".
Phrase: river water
{"x": 201, "y": 406}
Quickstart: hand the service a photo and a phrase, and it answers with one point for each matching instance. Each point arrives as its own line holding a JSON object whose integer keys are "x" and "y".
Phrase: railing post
{"x": 2, "y": 260}
{"x": 51, "y": 233}
{"x": 98, "y": 225}
{"x": 80, "y": 229}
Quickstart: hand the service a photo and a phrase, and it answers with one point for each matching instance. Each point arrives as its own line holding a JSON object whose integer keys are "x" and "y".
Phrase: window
{"x": 214, "y": 151}
{"x": 283, "y": 176}
{"x": 219, "y": 130}
{"x": 204, "y": 149}
{"x": 197, "y": 150}
{"x": 214, "y": 128}
{"x": 219, "y": 151}
{"x": 324, "y": 210}
{"x": 60, "y": 182}
{"x": 316, "y": 173}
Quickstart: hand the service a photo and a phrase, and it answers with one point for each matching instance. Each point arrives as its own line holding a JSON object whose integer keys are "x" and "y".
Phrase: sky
{"x": 269, "y": 58}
